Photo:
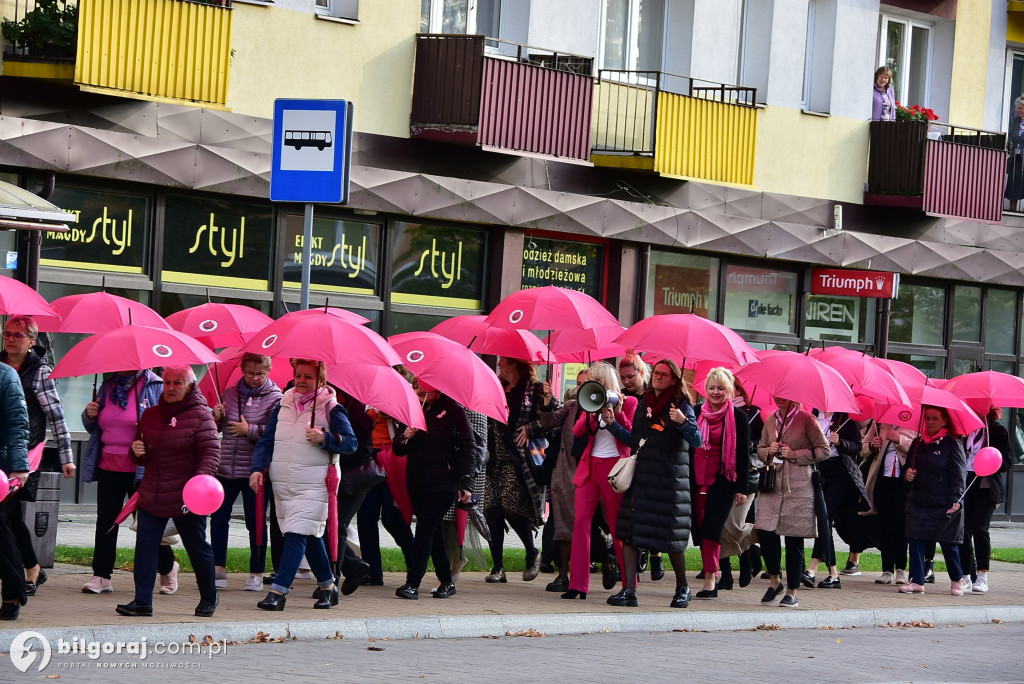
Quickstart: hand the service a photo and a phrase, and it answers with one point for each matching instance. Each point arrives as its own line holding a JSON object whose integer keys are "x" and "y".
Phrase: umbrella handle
{"x": 966, "y": 489}
{"x": 312, "y": 416}
{"x": 216, "y": 382}
{"x": 94, "y": 380}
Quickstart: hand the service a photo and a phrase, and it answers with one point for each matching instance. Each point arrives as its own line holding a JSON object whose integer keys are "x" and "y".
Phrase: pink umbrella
{"x": 333, "y": 481}
{"x": 381, "y": 387}
{"x": 984, "y": 390}
{"x": 322, "y": 338}
{"x": 800, "y": 378}
{"x": 130, "y": 348}
{"x": 472, "y": 332}
{"x": 574, "y": 345}
{"x": 454, "y": 370}
{"x": 129, "y": 508}
{"x": 229, "y": 372}
{"x": 98, "y": 312}
{"x": 906, "y": 374}
{"x": 689, "y": 338}
{"x": 549, "y": 308}
{"x": 220, "y": 325}
{"x": 867, "y": 378}
{"x": 343, "y": 314}
{"x": 963, "y": 418}
{"x": 395, "y": 467}
{"x": 18, "y": 299}
{"x": 35, "y": 456}
{"x": 758, "y": 397}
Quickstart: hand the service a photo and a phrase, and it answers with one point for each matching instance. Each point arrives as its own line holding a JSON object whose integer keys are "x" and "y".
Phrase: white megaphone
{"x": 593, "y": 397}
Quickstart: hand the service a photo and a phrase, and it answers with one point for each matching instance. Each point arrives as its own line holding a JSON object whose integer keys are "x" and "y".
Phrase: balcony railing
{"x": 938, "y": 168}
{"x": 501, "y": 95}
{"x": 41, "y": 31}
{"x": 683, "y": 126}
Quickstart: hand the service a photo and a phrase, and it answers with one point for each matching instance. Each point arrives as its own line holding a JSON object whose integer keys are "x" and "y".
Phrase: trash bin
{"x": 41, "y": 518}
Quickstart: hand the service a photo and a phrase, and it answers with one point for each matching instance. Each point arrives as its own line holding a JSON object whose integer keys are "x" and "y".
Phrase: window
{"x": 966, "y": 313}
{"x": 917, "y": 315}
{"x": 633, "y": 35}
{"x": 761, "y": 299}
{"x": 906, "y": 48}
{"x": 682, "y": 283}
{"x": 461, "y": 16}
{"x": 821, "y": 33}
{"x": 755, "y": 46}
{"x": 338, "y": 9}
{"x": 831, "y": 318}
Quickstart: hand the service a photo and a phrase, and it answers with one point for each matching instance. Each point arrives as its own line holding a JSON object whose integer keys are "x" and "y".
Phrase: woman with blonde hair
{"x": 607, "y": 435}
{"x": 718, "y": 471}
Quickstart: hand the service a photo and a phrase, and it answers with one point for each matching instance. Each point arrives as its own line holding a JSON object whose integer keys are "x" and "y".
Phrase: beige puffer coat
{"x": 789, "y": 509}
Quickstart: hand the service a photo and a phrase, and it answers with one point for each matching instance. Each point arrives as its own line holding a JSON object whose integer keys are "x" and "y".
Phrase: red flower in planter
{"x": 915, "y": 113}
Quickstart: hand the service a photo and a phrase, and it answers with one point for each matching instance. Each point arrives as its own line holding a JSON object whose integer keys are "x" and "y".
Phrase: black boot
{"x": 725, "y": 574}
{"x": 746, "y": 571}
{"x": 929, "y": 572}
{"x": 625, "y": 597}
{"x": 272, "y": 602}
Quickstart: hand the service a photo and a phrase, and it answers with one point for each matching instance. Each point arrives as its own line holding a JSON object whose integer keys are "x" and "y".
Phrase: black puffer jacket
{"x": 655, "y": 512}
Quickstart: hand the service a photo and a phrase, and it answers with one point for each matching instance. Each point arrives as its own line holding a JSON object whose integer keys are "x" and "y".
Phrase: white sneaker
{"x": 220, "y": 580}
{"x": 97, "y": 585}
{"x": 981, "y": 585}
{"x": 304, "y": 575}
{"x": 169, "y": 582}
{"x": 886, "y": 578}
{"x": 901, "y": 576}
{"x": 968, "y": 585}
{"x": 254, "y": 583}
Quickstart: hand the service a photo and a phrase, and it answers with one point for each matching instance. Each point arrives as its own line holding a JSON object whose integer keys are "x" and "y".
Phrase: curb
{"x": 475, "y": 626}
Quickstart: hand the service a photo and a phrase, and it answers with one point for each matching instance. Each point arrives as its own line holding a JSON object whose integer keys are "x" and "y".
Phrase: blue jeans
{"x": 380, "y": 505}
{"x": 192, "y": 530}
{"x": 950, "y": 552}
{"x": 295, "y": 547}
{"x": 222, "y": 516}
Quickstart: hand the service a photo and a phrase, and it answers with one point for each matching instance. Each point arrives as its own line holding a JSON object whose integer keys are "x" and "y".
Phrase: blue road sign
{"x": 312, "y": 151}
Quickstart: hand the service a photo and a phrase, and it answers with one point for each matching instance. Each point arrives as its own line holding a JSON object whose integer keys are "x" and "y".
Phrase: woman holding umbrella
{"x": 655, "y": 512}
{"x": 242, "y": 415}
{"x": 112, "y": 420}
{"x": 177, "y": 440}
{"x": 937, "y": 475}
{"x": 441, "y": 465}
{"x": 301, "y": 443}
{"x": 792, "y": 442}
{"x": 511, "y": 492}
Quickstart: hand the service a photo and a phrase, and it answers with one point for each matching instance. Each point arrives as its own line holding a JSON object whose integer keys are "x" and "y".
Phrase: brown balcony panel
{"x": 966, "y": 181}
{"x": 535, "y": 110}
{"x": 896, "y": 162}
{"x": 446, "y": 86}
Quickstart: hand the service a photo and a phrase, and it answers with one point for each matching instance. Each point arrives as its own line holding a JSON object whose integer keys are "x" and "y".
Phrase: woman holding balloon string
{"x": 177, "y": 440}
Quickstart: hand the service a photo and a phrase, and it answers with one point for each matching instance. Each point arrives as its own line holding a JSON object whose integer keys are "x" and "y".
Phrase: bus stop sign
{"x": 312, "y": 151}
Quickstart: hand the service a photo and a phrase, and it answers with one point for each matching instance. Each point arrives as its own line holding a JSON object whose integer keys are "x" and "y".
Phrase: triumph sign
{"x": 833, "y": 281}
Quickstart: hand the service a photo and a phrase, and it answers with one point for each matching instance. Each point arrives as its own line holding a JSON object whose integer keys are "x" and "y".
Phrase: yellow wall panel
{"x": 699, "y": 138}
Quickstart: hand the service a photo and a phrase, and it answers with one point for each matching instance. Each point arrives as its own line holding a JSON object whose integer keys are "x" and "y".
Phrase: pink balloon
{"x": 867, "y": 408}
{"x": 5, "y": 485}
{"x": 203, "y": 494}
{"x": 987, "y": 461}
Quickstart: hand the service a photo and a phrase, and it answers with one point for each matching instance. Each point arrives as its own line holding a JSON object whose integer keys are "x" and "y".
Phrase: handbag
{"x": 766, "y": 478}
{"x": 360, "y": 479}
{"x": 621, "y": 475}
{"x": 30, "y": 490}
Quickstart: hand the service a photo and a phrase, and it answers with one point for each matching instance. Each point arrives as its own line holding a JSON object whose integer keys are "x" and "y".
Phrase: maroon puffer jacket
{"x": 181, "y": 441}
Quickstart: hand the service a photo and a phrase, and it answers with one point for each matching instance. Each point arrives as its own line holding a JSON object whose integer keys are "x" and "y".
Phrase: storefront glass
{"x": 345, "y": 255}
{"x": 112, "y": 233}
{"x": 967, "y": 313}
{"x": 760, "y": 299}
{"x": 682, "y": 283}
{"x": 1000, "y": 315}
{"x": 572, "y": 265}
{"x": 438, "y": 266}
{"x": 917, "y": 315}
{"x": 833, "y": 318}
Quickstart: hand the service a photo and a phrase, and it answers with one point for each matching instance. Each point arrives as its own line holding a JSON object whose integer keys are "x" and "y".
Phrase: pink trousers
{"x": 595, "y": 490}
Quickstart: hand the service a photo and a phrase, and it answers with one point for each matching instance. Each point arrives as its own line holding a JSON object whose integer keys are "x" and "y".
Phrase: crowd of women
{"x": 708, "y": 466}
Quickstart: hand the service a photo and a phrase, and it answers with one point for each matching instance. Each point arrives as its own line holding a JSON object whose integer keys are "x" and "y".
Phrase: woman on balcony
{"x": 883, "y": 97}
{"x": 1015, "y": 162}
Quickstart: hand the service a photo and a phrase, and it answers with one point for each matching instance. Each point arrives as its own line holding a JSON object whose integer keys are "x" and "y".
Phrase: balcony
{"x": 165, "y": 50}
{"x": 938, "y": 168}
{"x": 41, "y": 37}
{"x": 502, "y": 96}
{"x": 675, "y": 126}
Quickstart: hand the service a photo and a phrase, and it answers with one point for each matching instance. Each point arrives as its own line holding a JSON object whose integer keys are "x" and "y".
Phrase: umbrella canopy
{"x": 906, "y": 374}
{"x": 689, "y": 338}
{"x": 867, "y": 377}
{"x": 381, "y": 387}
{"x": 964, "y": 419}
{"x": 325, "y": 338}
{"x": 472, "y": 332}
{"x": 99, "y": 312}
{"x": 454, "y": 370}
{"x": 343, "y": 314}
{"x": 800, "y": 378}
{"x": 220, "y": 325}
{"x": 549, "y": 308}
{"x": 987, "y": 389}
{"x": 229, "y": 371}
{"x": 18, "y": 299}
{"x": 132, "y": 347}
{"x": 583, "y": 346}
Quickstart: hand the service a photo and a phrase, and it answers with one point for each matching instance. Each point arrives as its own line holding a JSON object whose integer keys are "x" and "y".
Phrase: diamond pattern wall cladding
{"x": 216, "y": 151}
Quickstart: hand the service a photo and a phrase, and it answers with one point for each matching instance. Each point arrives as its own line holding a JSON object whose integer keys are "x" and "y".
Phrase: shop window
{"x": 905, "y": 48}
{"x": 760, "y": 299}
{"x": 438, "y": 266}
{"x": 572, "y": 265}
{"x": 931, "y": 366}
{"x": 682, "y": 283}
{"x": 917, "y": 315}
{"x": 633, "y": 35}
{"x": 967, "y": 313}
{"x": 173, "y": 302}
{"x": 831, "y": 318}
{"x": 1000, "y": 316}
{"x": 400, "y": 322}
{"x": 345, "y": 255}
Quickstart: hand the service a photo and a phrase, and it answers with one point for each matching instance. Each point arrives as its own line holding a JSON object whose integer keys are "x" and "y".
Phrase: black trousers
{"x": 379, "y": 507}
{"x": 891, "y": 503}
{"x": 349, "y": 563}
{"x": 22, "y": 537}
{"x": 771, "y": 551}
{"x": 12, "y": 572}
{"x": 428, "y": 542}
{"x": 976, "y": 550}
{"x": 112, "y": 489}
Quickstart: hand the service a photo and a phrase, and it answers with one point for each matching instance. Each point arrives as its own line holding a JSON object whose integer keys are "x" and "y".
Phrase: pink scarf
{"x": 935, "y": 438}
{"x": 303, "y": 400}
{"x": 706, "y": 419}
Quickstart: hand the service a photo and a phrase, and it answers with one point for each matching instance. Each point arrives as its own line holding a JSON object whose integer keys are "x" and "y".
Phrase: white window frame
{"x": 342, "y": 10}
{"x": 902, "y": 86}
{"x": 632, "y": 37}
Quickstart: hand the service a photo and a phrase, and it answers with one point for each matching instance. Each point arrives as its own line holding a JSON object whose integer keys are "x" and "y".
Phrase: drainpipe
{"x": 882, "y": 328}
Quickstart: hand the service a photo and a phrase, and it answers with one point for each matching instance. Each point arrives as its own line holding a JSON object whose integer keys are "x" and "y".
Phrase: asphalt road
{"x": 947, "y": 653}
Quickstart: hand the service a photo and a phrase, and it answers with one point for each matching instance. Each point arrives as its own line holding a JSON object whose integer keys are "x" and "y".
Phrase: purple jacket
{"x": 879, "y": 100}
{"x": 236, "y": 452}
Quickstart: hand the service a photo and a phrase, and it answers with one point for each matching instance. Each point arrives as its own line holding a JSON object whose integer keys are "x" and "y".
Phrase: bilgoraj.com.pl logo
{"x": 27, "y": 647}
{"x": 22, "y": 654}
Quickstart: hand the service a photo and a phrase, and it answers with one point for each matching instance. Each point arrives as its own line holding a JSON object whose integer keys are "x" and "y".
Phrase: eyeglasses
{"x": 255, "y": 374}
{"x": 16, "y": 336}
{"x": 661, "y": 374}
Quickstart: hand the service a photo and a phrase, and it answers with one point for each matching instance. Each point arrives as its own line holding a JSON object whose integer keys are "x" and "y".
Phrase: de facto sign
{"x": 312, "y": 151}
{"x": 837, "y": 281}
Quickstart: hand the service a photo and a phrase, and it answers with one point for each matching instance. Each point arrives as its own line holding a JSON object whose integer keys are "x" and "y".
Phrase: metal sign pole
{"x": 307, "y": 254}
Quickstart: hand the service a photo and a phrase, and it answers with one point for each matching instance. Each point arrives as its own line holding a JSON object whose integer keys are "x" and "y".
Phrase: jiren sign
{"x": 835, "y": 281}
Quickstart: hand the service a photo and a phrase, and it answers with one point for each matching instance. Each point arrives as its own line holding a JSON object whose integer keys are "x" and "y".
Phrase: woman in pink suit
{"x": 607, "y": 435}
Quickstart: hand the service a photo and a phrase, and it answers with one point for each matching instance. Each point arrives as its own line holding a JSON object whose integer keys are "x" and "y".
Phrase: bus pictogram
{"x": 300, "y": 139}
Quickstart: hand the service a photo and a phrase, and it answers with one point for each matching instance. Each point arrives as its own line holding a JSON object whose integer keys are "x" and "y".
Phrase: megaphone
{"x": 593, "y": 397}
